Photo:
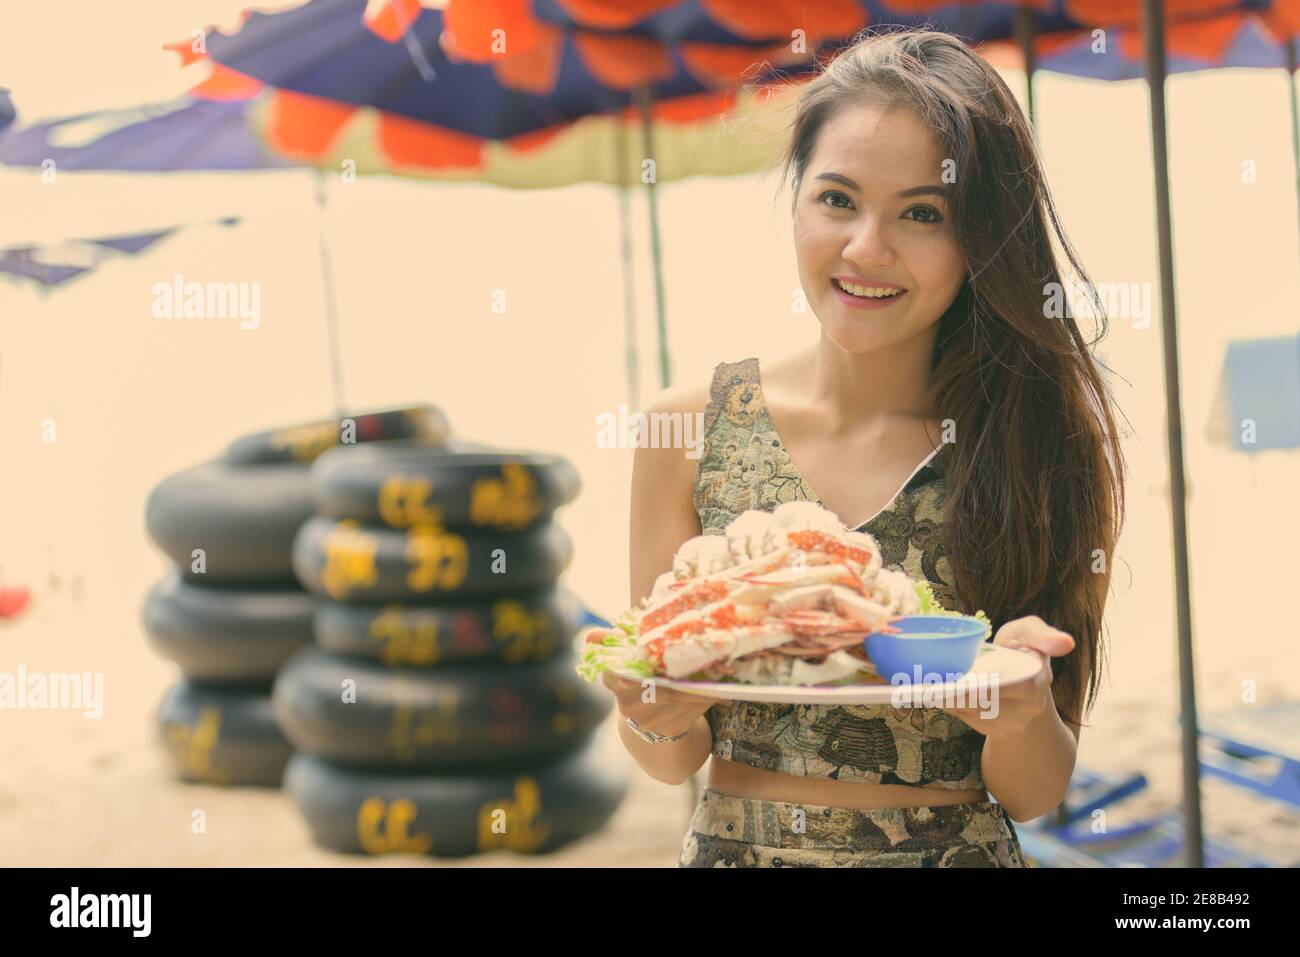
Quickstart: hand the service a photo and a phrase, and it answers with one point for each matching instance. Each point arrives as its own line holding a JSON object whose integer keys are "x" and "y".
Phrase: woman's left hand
{"x": 1020, "y": 704}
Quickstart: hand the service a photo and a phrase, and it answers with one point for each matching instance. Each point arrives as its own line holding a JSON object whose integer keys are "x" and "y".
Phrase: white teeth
{"x": 868, "y": 292}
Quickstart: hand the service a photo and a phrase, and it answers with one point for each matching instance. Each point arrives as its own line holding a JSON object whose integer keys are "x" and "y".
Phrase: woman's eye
{"x": 934, "y": 213}
{"x": 833, "y": 192}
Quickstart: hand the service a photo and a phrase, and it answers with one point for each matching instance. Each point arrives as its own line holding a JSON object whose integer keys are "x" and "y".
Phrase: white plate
{"x": 996, "y": 666}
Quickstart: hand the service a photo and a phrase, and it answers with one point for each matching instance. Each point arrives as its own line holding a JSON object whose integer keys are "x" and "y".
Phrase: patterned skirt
{"x": 728, "y": 831}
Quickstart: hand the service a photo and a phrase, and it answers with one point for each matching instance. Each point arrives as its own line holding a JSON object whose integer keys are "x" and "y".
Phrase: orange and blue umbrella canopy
{"x": 337, "y": 80}
{"x": 343, "y": 90}
{"x": 1200, "y": 34}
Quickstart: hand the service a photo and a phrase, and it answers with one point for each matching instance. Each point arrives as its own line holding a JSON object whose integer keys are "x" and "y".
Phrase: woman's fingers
{"x": 1032, "y": 633}
{"x": 620, "y": 685}
{"x": 594, "y": 635}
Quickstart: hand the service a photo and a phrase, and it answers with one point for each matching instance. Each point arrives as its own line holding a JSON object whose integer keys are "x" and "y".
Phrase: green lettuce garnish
{"x": 616, "y": 650}
{"x": 930, "y": 605}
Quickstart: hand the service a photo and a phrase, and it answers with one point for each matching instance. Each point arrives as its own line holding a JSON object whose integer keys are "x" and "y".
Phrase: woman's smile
{"x": 861, "y": 296}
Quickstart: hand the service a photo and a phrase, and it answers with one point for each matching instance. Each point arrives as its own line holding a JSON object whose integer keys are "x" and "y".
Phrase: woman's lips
{"x": 861, "y": 302}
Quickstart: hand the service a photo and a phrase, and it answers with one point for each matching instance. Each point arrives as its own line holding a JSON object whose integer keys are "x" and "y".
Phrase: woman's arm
{"x": 675, "y": 761}
{"x": 1029, "y": 774}
{"x": 662, "y": 518}
{"x": 1029, "y": 749}
{"x": 663, "y": 504}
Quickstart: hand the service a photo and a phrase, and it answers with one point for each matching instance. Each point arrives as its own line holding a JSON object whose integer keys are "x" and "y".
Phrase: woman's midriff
{"x": 742, "y": 781}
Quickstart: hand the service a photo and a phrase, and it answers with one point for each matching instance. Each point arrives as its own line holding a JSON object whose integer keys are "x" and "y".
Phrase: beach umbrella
{"x": 52, "y": 264}
{"x": 347, "y": 60}
{"x": 197, "y": 131}
{"x": 1199, "y": 35}
{"x": 434, "y": 108}
{"x": 1053, "y": 35}
{"x": 467, "y": 125}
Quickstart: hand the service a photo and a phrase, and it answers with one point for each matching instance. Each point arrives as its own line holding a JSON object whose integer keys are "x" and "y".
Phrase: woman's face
{"x": 853, "y": 223}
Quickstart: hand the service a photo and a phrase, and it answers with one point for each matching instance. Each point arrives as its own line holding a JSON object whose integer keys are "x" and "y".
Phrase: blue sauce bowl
{"x": 942, "y": 645}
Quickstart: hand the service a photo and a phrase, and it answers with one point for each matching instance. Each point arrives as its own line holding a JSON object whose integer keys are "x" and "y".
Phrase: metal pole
{"x": 1295, "y": 116}
{"x": 331, "y": 307}
{"x": 1153, "y": 28}
{"x": 625, "y": 251}
{"x": 1025, "y": 30}
{"x": 647, "y": 124}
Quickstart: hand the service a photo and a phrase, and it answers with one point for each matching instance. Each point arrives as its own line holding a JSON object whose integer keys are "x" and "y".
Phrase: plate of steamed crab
{"x": 789, "y": 606}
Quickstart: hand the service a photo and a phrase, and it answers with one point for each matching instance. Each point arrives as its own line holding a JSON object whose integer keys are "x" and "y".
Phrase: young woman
{"x": 959, "y": 420}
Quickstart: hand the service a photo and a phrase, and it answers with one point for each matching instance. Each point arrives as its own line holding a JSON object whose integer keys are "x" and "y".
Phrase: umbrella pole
{"x": 625, "y": 252}
{"x": 1291, "y": 66}
{"x": 647, "y": 123}
{"x": 1025, "y": 30}
{"x": 331, "y": 306}
{"x": 1153, "y": 28}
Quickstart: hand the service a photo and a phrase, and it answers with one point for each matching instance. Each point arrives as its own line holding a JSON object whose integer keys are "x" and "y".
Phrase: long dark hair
{"x": 1035, "y": 476}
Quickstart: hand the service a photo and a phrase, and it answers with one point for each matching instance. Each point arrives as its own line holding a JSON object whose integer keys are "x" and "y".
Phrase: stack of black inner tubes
{"x": 439, "y": 712}
{"x": 231, "y": 611}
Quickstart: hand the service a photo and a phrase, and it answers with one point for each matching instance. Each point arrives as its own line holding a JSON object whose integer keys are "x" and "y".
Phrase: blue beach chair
{"x": 1256, "y": 747}
{"x": 1065, "y": 838}
{"x": 1158, "y": 842}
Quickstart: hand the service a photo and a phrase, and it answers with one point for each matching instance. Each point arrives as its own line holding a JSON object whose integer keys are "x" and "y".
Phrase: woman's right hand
{"x": 661, "y": 710}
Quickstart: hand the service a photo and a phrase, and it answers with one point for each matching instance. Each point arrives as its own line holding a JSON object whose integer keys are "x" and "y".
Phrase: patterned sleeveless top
{"x": 743, "y": 465}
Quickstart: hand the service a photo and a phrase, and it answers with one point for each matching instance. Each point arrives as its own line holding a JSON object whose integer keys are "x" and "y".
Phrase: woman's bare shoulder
{"x": 669, "y": 439}
{"x": 683, "y": 398}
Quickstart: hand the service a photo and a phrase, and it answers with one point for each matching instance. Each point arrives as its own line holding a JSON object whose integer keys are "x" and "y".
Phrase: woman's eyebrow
{"x": 914, "y": 191}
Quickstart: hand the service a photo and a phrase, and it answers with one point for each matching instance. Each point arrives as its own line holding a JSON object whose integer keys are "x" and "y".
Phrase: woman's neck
{"x": 856, "y": 391}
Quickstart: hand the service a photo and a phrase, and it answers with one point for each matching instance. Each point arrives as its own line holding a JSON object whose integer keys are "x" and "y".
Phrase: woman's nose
{"x": 869, "y": 245}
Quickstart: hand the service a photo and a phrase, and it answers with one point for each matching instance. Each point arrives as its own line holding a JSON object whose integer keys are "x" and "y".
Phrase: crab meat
{"x": 805, "y": 517}
{"x": 896, "y": 591}
{"x": 799, "y": 599}
{"x": 863, "y": 612}
{"x": 820, "y": 548}
{"x": 684, "y": 658}
{"x": 752, "y": 566}
{"x": 855, "y": 612}
{"x": 669, "y": 606}
{"x": 702, "y": 555}
{"x": 753, "y": 533}
{"x": 781, "y": 581}
{"x": 787, "y": 577}
{"x": 814, "y": 621}
{"x": 724, "y": 613}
